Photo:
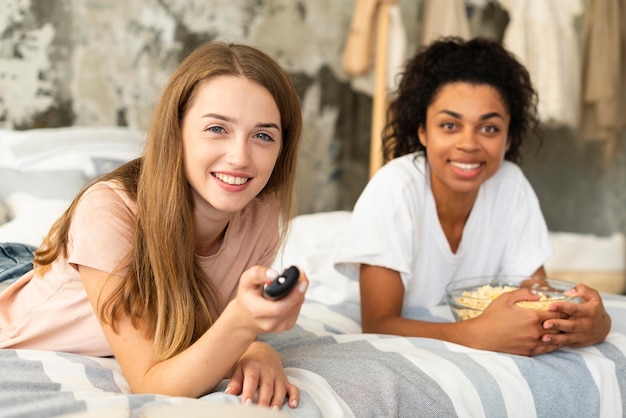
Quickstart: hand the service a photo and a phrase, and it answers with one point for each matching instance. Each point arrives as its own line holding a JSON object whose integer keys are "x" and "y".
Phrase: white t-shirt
{"x": 395, "y": 225}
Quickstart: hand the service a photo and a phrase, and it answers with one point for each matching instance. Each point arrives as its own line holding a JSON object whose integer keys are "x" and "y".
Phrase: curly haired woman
{"x": 453, "y": 204}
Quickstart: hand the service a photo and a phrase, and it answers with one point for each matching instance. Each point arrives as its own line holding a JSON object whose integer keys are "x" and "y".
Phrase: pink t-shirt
{"x": 52, "y": 312}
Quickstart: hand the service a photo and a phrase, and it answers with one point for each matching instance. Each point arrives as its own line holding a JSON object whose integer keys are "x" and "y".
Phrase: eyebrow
{"x": 483, "y": 117}
{"x": 228, "y": 119}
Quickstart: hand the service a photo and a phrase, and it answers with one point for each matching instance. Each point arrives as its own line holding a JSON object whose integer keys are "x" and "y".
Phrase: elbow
{"x": 169, "y": 388}
{"x": 375, "y": 325}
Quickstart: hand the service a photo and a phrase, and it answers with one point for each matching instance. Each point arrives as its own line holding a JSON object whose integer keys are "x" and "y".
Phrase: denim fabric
{"x": 15, "y": 260}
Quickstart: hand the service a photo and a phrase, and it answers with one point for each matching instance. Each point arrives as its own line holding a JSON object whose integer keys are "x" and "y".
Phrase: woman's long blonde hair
{"x": 164, "y": 287}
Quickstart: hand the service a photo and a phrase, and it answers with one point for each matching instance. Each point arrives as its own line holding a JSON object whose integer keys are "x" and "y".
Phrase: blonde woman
{"x": 161, "y": 263}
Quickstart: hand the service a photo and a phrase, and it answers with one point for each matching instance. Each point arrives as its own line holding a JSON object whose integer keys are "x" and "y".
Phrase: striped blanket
{"x": 343, "y": 373}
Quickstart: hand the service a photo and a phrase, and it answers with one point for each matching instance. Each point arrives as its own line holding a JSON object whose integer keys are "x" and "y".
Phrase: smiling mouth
{"x": 235, "y": 181}
{"x": 466, "y": 166}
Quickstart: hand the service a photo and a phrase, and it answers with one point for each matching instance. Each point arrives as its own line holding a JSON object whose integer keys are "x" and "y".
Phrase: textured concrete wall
{"x": 579, "y": 190}
{"x": 104, "y": 62}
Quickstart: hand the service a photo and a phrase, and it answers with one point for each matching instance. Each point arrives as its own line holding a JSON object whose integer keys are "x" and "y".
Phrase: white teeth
{"x": 231, "y": 180}
{"x": 465, "y": 166}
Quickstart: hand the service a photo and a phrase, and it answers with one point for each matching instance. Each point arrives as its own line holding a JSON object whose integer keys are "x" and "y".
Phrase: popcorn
{"x": 476, "y": 301}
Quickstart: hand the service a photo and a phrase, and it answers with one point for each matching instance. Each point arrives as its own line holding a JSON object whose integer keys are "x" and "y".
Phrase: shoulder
{"x": 409, "y": 165}
{"x": 403, "y": 173}
{"x": 107, "y": 190}
{"x": 108, "y": 197}
{"x": 509, "y": 175}
{"x": 510, "y": 170}
{"x": 396, "y": 193}
{"x": 510, "y": 187}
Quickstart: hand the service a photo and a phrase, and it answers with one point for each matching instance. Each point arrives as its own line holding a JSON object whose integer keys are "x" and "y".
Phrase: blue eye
{"x": 215, "y": 129}
{"x": 265, "y": 136}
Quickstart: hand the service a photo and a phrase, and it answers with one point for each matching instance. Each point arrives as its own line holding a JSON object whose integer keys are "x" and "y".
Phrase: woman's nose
{"x": 238, "y": 153}
{"x": 467, "y": 140}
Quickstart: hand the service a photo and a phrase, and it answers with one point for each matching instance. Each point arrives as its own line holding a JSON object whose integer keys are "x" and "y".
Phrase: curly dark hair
{"x": 450, "y": 60}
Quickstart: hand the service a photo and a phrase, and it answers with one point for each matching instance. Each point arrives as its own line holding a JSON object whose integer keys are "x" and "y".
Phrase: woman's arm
{"x": 503, "y": 326}
{"x": 201, "y": 367}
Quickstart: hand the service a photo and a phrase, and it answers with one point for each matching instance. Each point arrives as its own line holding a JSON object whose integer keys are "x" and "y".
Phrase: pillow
{"x": 32, "y": 218}
{"x": 106, "y": 165}
{"x": 311, "y": 244}
{"x": 68, "y": 148}
{"x": 52, "y": 184}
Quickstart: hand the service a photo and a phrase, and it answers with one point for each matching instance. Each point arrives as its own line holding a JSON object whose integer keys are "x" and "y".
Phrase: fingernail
{"x": 302, "y": 287}
{"x": 275, "y": 408}
{"x": 271, "y": 274}
{"x": 294, "y": 403}
{"x": 227, "y": 390}
{"x": 247, "y": 402}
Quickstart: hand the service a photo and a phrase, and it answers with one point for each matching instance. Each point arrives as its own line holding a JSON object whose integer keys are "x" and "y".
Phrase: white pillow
{"x": 48, "y": 184}
{"x": 587, "y": 252}
{"x": 69, "y": 148}
{"x": 32, "y": 218}
{"x": 311, "y": 245}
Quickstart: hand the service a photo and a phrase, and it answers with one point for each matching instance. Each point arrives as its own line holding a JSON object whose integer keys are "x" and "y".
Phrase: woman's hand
{"x": 264, "y": 315}
{"x": 261, "y": 368}
{"x": 509, "y": 328}
{"x": 503, "y": 326}
{"x": 582, "y": 324}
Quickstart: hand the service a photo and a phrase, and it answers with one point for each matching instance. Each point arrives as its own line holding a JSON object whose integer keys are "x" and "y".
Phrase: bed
{"x": 340, "y": 371}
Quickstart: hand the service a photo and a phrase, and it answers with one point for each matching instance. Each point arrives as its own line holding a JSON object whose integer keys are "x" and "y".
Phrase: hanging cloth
{"x": 604, "y": 73}
{"x": 374, "y": 55}
{"x": 542, "y": 35}
{"x": 356, "y": 58}
{"x": 359, "y": 53}
{"x": 488, "y": 20}
{"x": 443, "y": 18}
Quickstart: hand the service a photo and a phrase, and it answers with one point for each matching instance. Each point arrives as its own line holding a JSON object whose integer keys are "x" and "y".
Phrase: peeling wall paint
{"x": 25, "y": 67}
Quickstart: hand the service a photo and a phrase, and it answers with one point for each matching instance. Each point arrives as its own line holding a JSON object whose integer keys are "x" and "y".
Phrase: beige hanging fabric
{"x": 603, "y": 113}
{"x": 374, "y": 54}
{"x": 542, "y": 35}
{"x": 444, "y": 18}
{"x": 356, "y": 58}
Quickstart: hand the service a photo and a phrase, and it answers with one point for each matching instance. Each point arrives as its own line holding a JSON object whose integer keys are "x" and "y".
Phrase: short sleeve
{"x": 383, "y": 227}
{"x": 102, "y": 229}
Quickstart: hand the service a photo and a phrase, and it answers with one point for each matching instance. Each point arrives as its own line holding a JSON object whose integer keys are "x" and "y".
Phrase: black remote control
{"x": 282, "y": 285}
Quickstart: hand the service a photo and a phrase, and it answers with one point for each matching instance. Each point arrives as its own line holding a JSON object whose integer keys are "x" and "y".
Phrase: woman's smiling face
{"x": 465, "y": 137}
{"x": 232, "y": 137}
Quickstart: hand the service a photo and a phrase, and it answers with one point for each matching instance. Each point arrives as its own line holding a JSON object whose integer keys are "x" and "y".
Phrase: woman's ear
{"x": 421, "y": 134}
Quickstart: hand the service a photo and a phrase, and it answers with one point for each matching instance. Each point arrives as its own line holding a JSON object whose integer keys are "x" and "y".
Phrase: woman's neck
{"x": 210, "y": 232}
{"x": 453, "y": 210}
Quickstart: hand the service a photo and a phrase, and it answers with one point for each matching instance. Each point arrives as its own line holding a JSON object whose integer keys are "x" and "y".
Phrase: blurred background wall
{"x": 104, "y": 62}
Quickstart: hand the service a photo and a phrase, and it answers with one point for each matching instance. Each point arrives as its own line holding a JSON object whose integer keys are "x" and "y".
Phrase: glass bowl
{"x": 468, "y": 298}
